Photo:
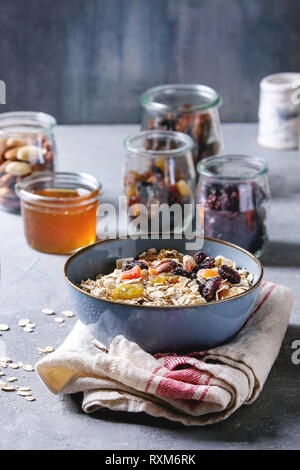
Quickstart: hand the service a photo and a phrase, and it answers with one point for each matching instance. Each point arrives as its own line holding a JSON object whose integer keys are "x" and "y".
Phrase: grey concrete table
{"x": 32, "y": 280}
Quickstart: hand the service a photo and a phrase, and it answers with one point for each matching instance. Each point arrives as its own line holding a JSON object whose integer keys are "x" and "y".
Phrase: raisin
{"x": 199, "y": 257}
{"x": 208, "y": 263}
{"x": 230, "y": 274}
{"x": 129, "y": 264}
{"x": 210, "y": 288}
{"x": 179, "y": 271}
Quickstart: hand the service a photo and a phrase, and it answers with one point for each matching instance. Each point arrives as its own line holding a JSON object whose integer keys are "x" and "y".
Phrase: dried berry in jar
{"x": 236, "y": 213}
{"x": 230, "y": 274}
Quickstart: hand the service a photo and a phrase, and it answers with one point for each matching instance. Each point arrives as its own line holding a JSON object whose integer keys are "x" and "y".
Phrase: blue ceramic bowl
{"x": 159, "y": 329}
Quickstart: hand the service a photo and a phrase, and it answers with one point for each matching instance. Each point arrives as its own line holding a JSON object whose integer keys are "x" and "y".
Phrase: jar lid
{"x": 184, "y": 98}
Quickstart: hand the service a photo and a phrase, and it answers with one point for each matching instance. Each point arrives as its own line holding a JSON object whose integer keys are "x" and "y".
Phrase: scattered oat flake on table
{"x": 5, "y": 359}
{"x": 1, "y": 373}
{"x": 8, "y": 388}
{"x": 3, "y": 327}
{"x": 2, "y": 384}
{"x": 68, "y": 313}
{"x": 29, "y": 398}
{"x": 14, "y": 365}
{"x": 59, "y": 320}
{"x": 24, "y": 322}
{"x": 30, "y": 325}
{"x": 24, "y": 389}
{"x": 28, "y": 367}
{"x": 11, "y": 379}
{"x": 23, "y": 393}
{"x": 28, "y": 330}
{"x": 48, "y": 311}
{"x": 3, "y": 364}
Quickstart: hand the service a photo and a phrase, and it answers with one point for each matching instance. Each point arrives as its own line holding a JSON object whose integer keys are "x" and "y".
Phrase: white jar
{"x": 279, "y": 111}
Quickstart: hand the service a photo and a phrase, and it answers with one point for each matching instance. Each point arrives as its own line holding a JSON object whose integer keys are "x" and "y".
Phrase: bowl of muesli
{"x": 161, "y": 296}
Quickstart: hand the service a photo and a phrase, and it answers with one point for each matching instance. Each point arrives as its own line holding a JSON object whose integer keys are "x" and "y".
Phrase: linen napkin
{"x": 195, "y": 389}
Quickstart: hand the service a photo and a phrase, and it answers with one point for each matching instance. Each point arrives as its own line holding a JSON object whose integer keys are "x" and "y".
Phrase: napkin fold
{"x": 199, "y": 388}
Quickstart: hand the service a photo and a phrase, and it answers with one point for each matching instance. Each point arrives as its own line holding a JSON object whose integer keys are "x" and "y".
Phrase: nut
{"x": 11, "y": 142}
{"x": 18, "y": 168}
{"x": 166, "y": 267}
{"x": 11, "y": 154}
{"x": 30, "y": 153}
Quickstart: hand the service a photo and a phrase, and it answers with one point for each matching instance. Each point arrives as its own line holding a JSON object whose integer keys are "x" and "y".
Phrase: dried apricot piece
{"x": 134, "y": 273}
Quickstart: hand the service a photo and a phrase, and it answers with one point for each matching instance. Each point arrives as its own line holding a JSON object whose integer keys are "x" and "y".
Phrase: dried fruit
{"x": 200, "y": 257}
{"x": 209, "y": 262}
{"x": 129, "y": 264}
{"x": 188, "y": 263}
{"x": 179, "y": 271}
{"x": 230, "y": 274}
{"x": 210, "y": 288}
{"x": 127, "y": 292}
{"x": 207, "y": 273}
{"x": 134, "y": 273}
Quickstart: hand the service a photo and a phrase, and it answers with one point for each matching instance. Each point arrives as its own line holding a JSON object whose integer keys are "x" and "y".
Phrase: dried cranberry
{"x": 200, "y": 256}
{"x": 129, "y": 264}
{"x": 179, "y": 271}
{"x": 230, "y": 274}
{"x": 210, "y": 288}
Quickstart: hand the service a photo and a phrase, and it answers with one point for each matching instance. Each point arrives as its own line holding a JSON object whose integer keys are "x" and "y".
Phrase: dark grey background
{"x": 87, "y": 61}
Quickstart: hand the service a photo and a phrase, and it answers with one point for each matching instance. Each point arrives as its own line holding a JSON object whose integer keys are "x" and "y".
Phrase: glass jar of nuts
{"x": 26, "y": 146}
{"x": 192, "y": 109}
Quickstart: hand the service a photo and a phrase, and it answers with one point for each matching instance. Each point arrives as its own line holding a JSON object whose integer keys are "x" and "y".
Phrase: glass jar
{"x": 158, "y": 170}
{"x": 192, "y": 109}
{"x": 234, "y": 192}
{"x": 26, "y": 146}
{"x": 59, "y": 210}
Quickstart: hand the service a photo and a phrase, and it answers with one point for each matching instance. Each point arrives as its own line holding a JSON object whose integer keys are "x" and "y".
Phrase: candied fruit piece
{"x": 230, "y": 274}
{"x": 127, "y": 292}
{"x": 133, "y": 273}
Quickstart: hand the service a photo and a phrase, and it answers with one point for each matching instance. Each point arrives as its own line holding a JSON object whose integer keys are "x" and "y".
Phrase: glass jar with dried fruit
{"x": 192, "y": 109}
{"x": 159, "y": 170}
{"x": 26, "y": 146}
{"x": 234, "y": 192}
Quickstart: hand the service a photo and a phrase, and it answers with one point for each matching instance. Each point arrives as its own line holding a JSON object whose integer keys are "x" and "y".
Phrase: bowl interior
{"x": 101, "y": 257}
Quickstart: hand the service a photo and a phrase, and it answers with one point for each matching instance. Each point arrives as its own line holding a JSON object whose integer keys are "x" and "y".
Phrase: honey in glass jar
{"x": 59, "y": 211}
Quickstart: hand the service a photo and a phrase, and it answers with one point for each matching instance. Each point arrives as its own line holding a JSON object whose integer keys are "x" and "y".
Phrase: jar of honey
{"x": 59, "y": 210}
